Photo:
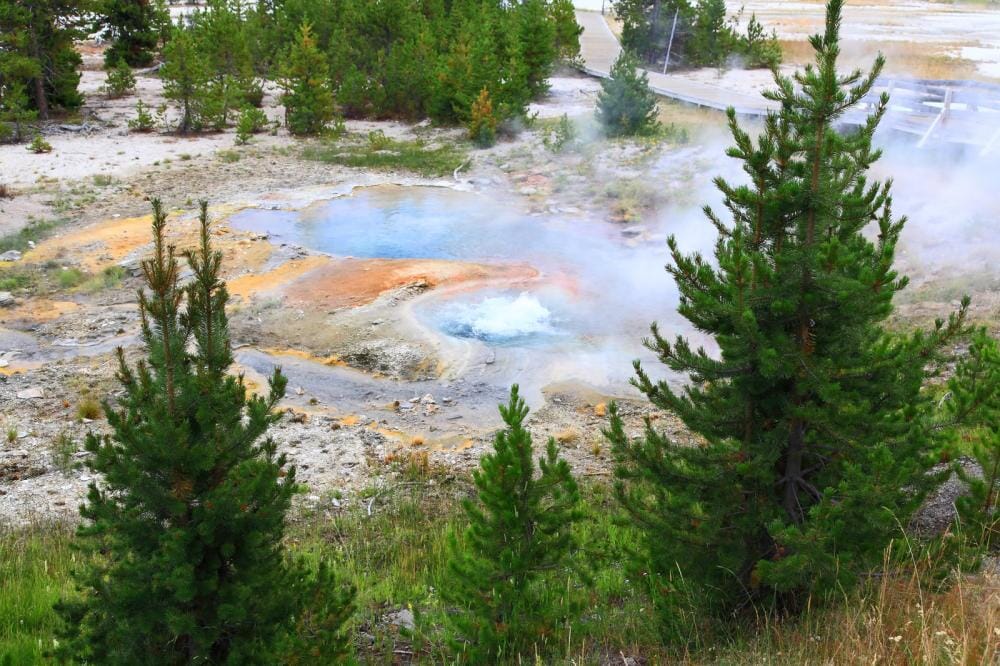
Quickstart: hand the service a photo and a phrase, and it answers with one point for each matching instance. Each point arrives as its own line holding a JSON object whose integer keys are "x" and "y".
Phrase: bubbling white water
{"x": 501, "y": 319}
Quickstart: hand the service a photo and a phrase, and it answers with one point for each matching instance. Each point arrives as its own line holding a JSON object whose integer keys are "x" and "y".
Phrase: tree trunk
{"x": 793, "y": 471}
{"x": 39, "y": 81}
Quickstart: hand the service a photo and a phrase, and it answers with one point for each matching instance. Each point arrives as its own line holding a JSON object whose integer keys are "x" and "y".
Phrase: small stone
{"x": 428, "y": 399}
{"x": 401, "y": 618}
{"x": 10, "y": 255}
{"x": 7, "y": 299}
{"x": 30, "y": 393}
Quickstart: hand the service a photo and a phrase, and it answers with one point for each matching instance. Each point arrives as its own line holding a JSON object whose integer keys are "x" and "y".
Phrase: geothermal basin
{"x": 598, "y": 284}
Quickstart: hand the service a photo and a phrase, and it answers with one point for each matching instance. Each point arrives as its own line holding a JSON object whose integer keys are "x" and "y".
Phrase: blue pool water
{"x": 593, "y": 283}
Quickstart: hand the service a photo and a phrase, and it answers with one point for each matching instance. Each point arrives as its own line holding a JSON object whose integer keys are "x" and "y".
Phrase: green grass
{"x": 395, "y": 556}
{"x": 67, "y": 278}
{"x": 109, "y": 278}
{"x": 34, "y": 566}
{"x": 384, "y": 154}
{"x": 11, "y": 280}
{"x": 32, "y": 233}
{"x": 396, "y": 551}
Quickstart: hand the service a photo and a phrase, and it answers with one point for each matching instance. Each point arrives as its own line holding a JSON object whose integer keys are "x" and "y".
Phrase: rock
{"x": 428, "y": 399}
{"x": 7, "y": 299}
{"x": 938, "y": 511}
{"x": 30, "y": 393}
{"x": 10, "y": 255}
{"x": 402, "y": 618}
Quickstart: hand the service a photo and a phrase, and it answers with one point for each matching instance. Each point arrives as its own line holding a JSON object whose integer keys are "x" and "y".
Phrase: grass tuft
{"x": 381, "y": 153}
{"x": 32, "y": 233}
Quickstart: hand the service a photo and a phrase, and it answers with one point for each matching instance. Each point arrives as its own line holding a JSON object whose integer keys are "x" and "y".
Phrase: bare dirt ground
{"x": 371, "y": 396}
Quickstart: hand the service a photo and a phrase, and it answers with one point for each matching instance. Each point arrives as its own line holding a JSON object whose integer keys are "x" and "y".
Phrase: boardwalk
{"x": 961, "y": 112}
{"x": 599, "y": 49}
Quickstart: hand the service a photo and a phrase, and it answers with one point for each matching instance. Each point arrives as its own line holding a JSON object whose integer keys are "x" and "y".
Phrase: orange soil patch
{"x": 353, "y": 282}
{"x": 19, "y": 368}
{"x": 306, "y": 356}
{"x": 97, "y": 246}
{"x": 36, "y": 310}
{"x": 256, "y": 283}
{"x": 100, "y": 245}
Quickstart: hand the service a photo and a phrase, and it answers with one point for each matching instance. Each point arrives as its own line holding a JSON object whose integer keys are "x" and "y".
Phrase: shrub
{"x": 88, "y": 408}
{"x": 39, "y": 145}
{"x": 626, "y": 106}
{"x": 975, "y": 400}
{"x": 63, "y": 449}
{"x": 482, "y": 121}
{"x": 250, "y": 122}
{"x": 109, "y": 278}
{"x": 563, "y": 137}
{"x": 69, "y": 277}
{"x": 120, "y": 81}
{"x": 377, "y": 140}
{"x": 508, "y": 573}
{"x": 143, "y": 121}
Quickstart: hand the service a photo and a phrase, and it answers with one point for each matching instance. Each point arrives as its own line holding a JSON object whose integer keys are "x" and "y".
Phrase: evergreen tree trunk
{"x": 41, "y": 97}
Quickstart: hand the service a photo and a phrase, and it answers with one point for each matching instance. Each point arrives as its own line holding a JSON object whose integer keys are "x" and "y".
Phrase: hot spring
{"x": 582, "y": 318}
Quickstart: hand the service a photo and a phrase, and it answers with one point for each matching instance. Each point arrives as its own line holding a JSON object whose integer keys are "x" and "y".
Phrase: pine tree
{"x": 183, "y": 562}
{"x": 185, "y": 79}
{"x": 509, "y": 571}
{"x": 307, "y": 95}
{"x": 567, "y": 30}
{"x": 482, "y": 122}
{"x": 15, "y": 111}
{"x": 37, "y": 50}
{"x": 975, "y": 402}
{"x": 537, "y": 35}
{"x": 711, "y": 39}
{"x": 648, "y": 24}
{"x": 626, "y": 106}
{"x": 128, "y": 24}
{"x": 817, "y": 431}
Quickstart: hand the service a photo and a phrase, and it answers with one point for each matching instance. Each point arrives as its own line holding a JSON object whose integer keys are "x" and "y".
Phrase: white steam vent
{"x": 499, "y": 319}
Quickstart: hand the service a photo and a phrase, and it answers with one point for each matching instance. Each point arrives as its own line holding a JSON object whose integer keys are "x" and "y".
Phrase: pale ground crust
{"x": 370, "y": 397}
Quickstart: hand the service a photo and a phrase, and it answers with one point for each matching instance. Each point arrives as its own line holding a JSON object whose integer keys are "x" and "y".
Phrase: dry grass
{"x": 910, "y": 59}
{"x": 900, "y": 621}
{"x": 88, "y": 408}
